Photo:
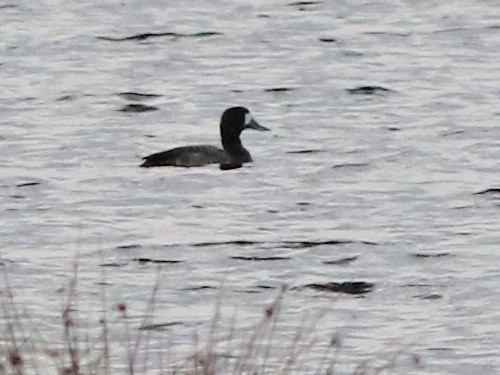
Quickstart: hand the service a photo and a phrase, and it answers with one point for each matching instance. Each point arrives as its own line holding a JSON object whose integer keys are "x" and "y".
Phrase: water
{"x": 390, "y": 174}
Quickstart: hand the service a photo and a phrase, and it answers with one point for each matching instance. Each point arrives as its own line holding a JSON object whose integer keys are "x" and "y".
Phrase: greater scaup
{"x": 234, "y": 120}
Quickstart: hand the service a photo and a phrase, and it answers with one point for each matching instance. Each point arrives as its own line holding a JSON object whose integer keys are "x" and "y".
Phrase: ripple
{"x": 350, "y": 165}
{"x": 159, "y": 326}
{"x": 157, "y": 261}
{"x": 144, "y": 36}
{"x": 341, "y": 262}
{"x": 309, "y": 151}
{"x": 328, "y": 40}
{"x": 137, "y": 108}
{"x": 393, "y": 33}
{"x": 348, "y": 287}
{"x": 436, "y": 255}
{"x": 112, "y": 264}
{"x": 258, "y": 259}
{"x": 137, "y": 96}
{"x": 368, "y": 90}
{"x": 304, "y": 5}
{"x": 429, "y": 296}
{"x": 287, "y": 244}
{"x": 26, "y": 184}
{"x": 279, "y": 89}
{"x": 202, "y": 287}
{"x": 66, "y": 98}
{"x": 457, "y": 132}
{"x": 128, "y": 247}
{"x": 493, "y": 192}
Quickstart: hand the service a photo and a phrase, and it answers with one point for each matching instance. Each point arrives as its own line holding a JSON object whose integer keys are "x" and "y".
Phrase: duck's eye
{"x": 248, "y": 118}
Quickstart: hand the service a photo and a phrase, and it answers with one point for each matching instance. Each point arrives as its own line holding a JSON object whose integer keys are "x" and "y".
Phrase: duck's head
{"x": 236, "y": 119}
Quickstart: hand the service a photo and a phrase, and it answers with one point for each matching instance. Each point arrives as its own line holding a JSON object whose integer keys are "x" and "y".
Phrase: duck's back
{"x": 187, "y": 156}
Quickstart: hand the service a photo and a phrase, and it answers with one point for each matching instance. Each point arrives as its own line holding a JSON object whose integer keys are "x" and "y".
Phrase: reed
{"x": 225, "y": 349}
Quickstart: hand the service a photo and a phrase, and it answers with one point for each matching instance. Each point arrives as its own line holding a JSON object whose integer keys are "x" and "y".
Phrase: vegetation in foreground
{"x": 223, "y": 349}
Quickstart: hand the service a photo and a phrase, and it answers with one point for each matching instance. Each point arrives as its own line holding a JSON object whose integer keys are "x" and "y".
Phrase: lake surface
{"x": 377, "y": 185}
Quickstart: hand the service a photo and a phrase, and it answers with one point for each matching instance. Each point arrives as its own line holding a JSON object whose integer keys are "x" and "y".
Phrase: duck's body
{"x": 186, "y": 156}
{"x": 233, "y": 122}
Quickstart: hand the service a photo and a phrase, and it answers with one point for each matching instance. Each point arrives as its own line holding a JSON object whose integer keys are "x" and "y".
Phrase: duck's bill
{"x": 256, "y": 126}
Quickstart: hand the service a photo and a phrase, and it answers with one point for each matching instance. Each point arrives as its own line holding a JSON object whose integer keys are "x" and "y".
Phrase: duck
{"x": 233, "y": 155}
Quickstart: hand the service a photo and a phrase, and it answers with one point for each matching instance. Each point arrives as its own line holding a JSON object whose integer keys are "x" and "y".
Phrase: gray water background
{"x": 390, "y": 175}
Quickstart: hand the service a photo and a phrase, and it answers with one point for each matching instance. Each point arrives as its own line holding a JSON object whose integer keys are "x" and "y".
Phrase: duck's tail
{"x": 147, "y": 163}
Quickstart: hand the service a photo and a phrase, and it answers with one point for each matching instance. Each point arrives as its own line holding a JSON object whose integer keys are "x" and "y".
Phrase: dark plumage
{"x": 233, "y": 121}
